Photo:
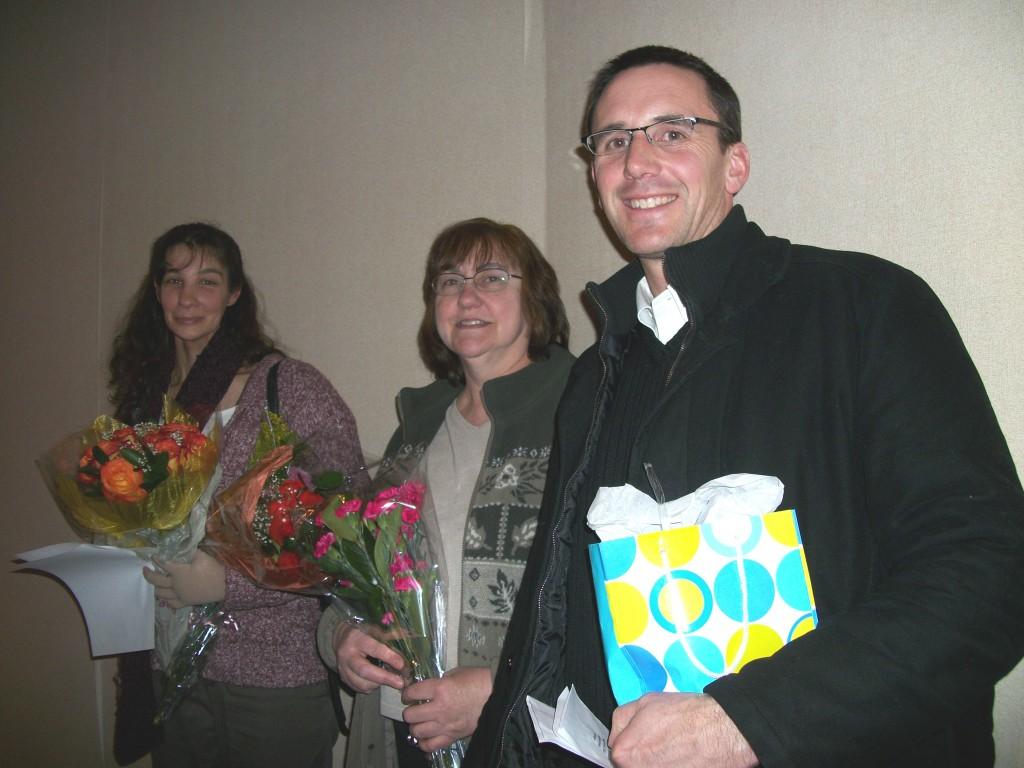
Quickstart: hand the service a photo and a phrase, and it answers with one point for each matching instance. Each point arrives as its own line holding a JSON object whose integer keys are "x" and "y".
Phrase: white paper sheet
{"x": 116, "y": 601}
{"x": 572, "y": 726}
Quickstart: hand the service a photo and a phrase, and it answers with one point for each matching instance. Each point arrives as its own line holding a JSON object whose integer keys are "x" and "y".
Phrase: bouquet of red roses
{"x": 377, "y": 552}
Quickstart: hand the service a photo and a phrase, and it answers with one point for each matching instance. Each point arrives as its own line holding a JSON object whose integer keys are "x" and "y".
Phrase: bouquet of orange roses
{"x": 145, "y": 487}
{"x": 130, "y": 484}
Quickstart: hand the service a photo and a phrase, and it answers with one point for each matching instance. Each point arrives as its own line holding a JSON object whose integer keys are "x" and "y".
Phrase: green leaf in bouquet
{"x": 157, "y": 470}
{"x": 332, "y": 562}
{"x": 360, "y": 572}
{"x": 389, "y": 523}
{"x": 274, "y": 432}
{"x": 346, "y": 527}
{"x": 100, "y": 455}
{"x": 414, "y": 606}
{"x": 133, "y": 457}
{"x": 330, "y": 481}
{"x": 382, "y": 552}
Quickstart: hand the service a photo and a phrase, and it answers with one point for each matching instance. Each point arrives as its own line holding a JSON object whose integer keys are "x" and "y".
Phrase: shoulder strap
{"x": 272, "y": 400}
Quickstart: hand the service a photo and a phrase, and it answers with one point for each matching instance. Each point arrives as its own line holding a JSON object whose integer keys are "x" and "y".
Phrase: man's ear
{"x": 593, "y": 178}
{"x": 737, "y": 167}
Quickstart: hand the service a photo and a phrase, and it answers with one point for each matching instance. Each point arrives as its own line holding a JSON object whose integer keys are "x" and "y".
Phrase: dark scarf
{"x": 203, "y": 388}
{"x": 206, "y": 383}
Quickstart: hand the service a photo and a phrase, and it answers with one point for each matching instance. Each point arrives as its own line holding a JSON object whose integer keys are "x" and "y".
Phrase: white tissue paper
{"x": 726, "y": 501}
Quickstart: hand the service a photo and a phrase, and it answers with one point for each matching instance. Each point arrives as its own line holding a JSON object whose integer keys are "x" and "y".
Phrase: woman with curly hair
{"x": 193, "y": 334}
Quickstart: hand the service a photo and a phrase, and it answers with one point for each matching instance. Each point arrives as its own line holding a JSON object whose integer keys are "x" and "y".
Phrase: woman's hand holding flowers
{"x": 180, "y": 584}
{"x": 356, "y": 653}
{"x": 450, "y": 708}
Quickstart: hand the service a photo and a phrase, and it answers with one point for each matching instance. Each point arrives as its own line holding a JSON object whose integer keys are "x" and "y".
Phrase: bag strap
{"x": 273, "y": 403}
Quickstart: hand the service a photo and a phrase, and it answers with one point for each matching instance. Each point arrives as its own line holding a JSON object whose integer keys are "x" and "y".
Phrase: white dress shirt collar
{"x": 664, "y": 314}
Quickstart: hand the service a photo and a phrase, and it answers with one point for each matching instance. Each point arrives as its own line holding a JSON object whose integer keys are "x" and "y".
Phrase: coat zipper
{"x": 554, "y": 530}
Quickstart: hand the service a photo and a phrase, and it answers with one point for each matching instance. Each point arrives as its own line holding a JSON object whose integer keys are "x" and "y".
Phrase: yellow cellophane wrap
{"x": 229, "y": 531}
{"x": 164, "y": 508}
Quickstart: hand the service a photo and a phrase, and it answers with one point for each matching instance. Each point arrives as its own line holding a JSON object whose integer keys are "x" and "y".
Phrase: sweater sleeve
{"x": 921, "y": 650}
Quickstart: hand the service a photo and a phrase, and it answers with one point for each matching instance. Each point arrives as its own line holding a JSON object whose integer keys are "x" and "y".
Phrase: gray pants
{"x": 232, "y": 726}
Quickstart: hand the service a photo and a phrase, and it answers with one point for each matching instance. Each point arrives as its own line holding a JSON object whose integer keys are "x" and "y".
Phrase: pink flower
{"x": 387, "y": 619}
{"x": 408, "y": 531}
{"x": 348, "y": 507}
{"x": 373, "y": 510}
{"x": 388, "y": 493}
{"x": 323, "y": 544}
{"x": 406, "y": 584}
{"x": 412, "y": 493}
{"x": 344, "y": 583}
{"x": 401, "y": 562}
{"x": 410, "y": 515}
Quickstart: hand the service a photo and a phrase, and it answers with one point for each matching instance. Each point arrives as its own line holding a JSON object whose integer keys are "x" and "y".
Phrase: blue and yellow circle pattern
{"x": 682, "y": 607}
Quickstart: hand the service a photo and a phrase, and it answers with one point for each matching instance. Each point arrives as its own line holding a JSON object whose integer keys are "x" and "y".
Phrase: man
{"x": 723, "y": 350}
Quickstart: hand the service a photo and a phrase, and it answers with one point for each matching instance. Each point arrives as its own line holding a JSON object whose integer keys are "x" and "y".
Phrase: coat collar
{"x": 503, "y": 395}
{"x": 716, "y": 276}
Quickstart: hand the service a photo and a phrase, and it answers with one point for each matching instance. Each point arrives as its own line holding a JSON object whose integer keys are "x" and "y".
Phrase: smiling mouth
{"x": 471, "y": 323}
{"x": 643, "y": 203}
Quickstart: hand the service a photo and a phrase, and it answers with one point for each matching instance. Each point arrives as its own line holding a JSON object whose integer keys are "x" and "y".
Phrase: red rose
{"x": 288, "y": 560}
{"x": 280, "y": 529}
{"x": 280, "y": 507}
{"x": 310, "y": 499}
{"x": 289, "y": 489}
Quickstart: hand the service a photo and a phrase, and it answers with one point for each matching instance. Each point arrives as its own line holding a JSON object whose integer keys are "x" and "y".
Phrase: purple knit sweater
{"x": 275, "y": 645}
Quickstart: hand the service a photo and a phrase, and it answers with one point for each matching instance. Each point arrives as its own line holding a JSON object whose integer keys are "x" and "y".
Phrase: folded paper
{"x": 572, "y": 726}
{"x": 116, "y": 601}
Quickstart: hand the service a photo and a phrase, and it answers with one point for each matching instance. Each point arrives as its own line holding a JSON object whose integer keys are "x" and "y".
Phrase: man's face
{"x": 657, "y": 198}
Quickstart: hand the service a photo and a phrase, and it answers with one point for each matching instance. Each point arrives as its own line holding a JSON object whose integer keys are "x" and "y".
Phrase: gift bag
{"x": 740, "y": 585}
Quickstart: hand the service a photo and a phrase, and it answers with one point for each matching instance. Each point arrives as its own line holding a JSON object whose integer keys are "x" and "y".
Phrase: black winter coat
{"x": 841, "y": 374}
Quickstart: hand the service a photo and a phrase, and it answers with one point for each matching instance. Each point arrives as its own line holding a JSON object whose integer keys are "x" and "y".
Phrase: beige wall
{"x": 335, "y": 139}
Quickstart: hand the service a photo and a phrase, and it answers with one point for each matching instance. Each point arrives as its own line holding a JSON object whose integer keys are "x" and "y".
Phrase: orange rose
{"x": 168, "y": 446}
{"x": 121, "y": 481}
{"x": 193, "y": 440}
{"x": 109, "y": 447}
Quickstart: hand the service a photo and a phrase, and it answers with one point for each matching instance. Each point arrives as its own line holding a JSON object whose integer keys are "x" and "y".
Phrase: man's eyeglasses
{"x": 488, "y": 279}
{"x": 667, "y": 134}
